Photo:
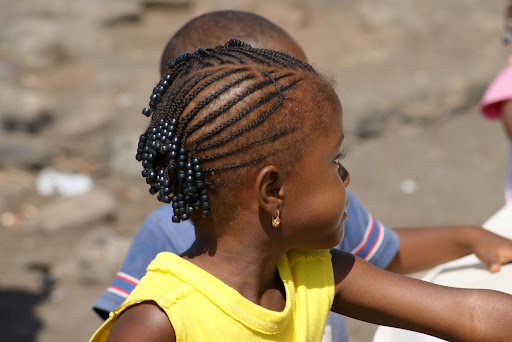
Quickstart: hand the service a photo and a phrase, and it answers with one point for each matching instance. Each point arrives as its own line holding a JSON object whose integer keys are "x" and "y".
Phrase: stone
{"x": 69, "y": 213}
{"x": 35, "y": 44}
{"x": 120, "y": 152}
{"x": 24, "y": 151}
{"x": 99, "y": 254}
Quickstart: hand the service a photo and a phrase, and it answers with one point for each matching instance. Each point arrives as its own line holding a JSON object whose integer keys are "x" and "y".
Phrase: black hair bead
{"x": 181, "y": 174}
{"x": 205, "y": 212}
{"x": 147, "y": 112}
{"x": 190, "y": 210}
{"x": 175, "y": 141}
{"x": 166, "y": 199}
{"x": 161, "y": 89}
{"x": 153, "y": 190}
{"x": 165, "y": 84}
{"x": 138, "y": 157}
{"x": 143, "y": 137}
{"x": 175, "y": 219}
{"x": 182, "y": 210}
{"x": 184, "y": 217}
{"x": 182, "y": 57}
{"x": 167, "y": 77}
{"x": 152, "y": 104}
{"x": 155, "y": 97}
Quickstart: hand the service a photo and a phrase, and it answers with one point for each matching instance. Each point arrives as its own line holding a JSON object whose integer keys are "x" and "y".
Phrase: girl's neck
{"x": 247, "y": 264}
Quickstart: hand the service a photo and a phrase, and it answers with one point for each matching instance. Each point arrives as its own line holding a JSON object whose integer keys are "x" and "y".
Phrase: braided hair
{"x": 216, "y": 110}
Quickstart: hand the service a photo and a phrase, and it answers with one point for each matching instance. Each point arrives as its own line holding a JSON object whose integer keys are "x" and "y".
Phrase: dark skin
{"x": 146, "y": 321}
{"x": 362, "y": 290}
{"x": 416, "y": 243}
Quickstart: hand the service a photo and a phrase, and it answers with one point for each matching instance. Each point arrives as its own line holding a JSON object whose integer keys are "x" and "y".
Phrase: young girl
{"x": 247, "y": 144}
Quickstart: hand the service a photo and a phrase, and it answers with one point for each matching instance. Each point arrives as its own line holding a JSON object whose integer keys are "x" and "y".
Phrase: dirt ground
{"x": 74, "y": 76}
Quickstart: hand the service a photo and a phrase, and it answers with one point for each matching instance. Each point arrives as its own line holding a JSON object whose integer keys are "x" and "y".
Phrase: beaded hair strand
{"x": 174, "y": 172}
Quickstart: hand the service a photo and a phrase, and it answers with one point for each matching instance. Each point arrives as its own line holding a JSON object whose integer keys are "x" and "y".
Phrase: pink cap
{"x": 498, "y": 91}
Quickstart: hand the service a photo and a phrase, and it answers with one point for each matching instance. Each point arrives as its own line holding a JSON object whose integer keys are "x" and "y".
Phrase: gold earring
{"x": 276, "y": 221}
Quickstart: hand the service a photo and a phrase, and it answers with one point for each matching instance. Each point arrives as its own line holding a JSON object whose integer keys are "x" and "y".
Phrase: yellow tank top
{"x": 203, "y": 308}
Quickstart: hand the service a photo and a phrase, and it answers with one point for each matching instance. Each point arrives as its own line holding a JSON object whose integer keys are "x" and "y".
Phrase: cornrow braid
{"x": 214, "y": 107}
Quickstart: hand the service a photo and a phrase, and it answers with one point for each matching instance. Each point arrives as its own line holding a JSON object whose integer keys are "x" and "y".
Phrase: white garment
{"x": 508, "y": 180}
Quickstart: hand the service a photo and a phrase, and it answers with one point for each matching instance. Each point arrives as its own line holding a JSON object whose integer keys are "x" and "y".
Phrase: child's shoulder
{"x": 143, "y": 322}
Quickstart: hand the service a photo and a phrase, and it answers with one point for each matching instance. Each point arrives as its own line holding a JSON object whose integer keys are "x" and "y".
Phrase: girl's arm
{"x": 450, "y": 243}
{"x": 144, "y": 322}
{"x": 368, "y": 293}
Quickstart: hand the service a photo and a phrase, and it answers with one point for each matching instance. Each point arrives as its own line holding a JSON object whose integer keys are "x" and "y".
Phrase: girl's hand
{"x": 493, "y": 250}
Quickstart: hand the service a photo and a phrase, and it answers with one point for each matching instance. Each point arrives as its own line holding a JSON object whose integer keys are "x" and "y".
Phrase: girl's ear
{"x": 270, "y": 189}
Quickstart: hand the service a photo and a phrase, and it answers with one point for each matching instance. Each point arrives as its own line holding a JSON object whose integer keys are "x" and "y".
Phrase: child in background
{"x": 364, "y": 235}
{"x": 226, "y": 146}
{"x": 497, "y": 100}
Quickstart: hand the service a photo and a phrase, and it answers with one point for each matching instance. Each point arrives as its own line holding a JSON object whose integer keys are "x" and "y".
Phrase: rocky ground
{"x": 74, "y": 76}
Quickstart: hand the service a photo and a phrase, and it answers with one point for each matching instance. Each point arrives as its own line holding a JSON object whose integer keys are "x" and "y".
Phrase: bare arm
{"x": 368, "y": 293}
{"x": 423, "y": 248}
{"x": 140, "y": 323}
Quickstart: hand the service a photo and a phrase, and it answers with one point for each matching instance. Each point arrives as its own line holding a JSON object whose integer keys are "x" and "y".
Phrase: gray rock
{"x": 68, "y": 213}
{"x": 35, "y": 44}
{"x": 99, "y": 254}
{"x": 120, "y": 153}
{"x": 30, "y": 115}
{"x": 24, "y": 151}
{"x": 88, "y": 117}
{"x": 167, "y": 3}
{"x": 108, "y": 12}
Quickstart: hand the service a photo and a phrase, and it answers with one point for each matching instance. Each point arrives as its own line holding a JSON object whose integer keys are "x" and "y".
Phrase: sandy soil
{"x": 409, "y": 75}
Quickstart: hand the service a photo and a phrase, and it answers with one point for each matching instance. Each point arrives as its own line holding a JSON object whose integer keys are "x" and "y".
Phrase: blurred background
{"x": 74, "y": 76}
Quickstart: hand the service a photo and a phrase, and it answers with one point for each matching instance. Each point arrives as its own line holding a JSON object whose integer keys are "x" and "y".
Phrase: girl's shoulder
{"x": 143, "y": 322}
